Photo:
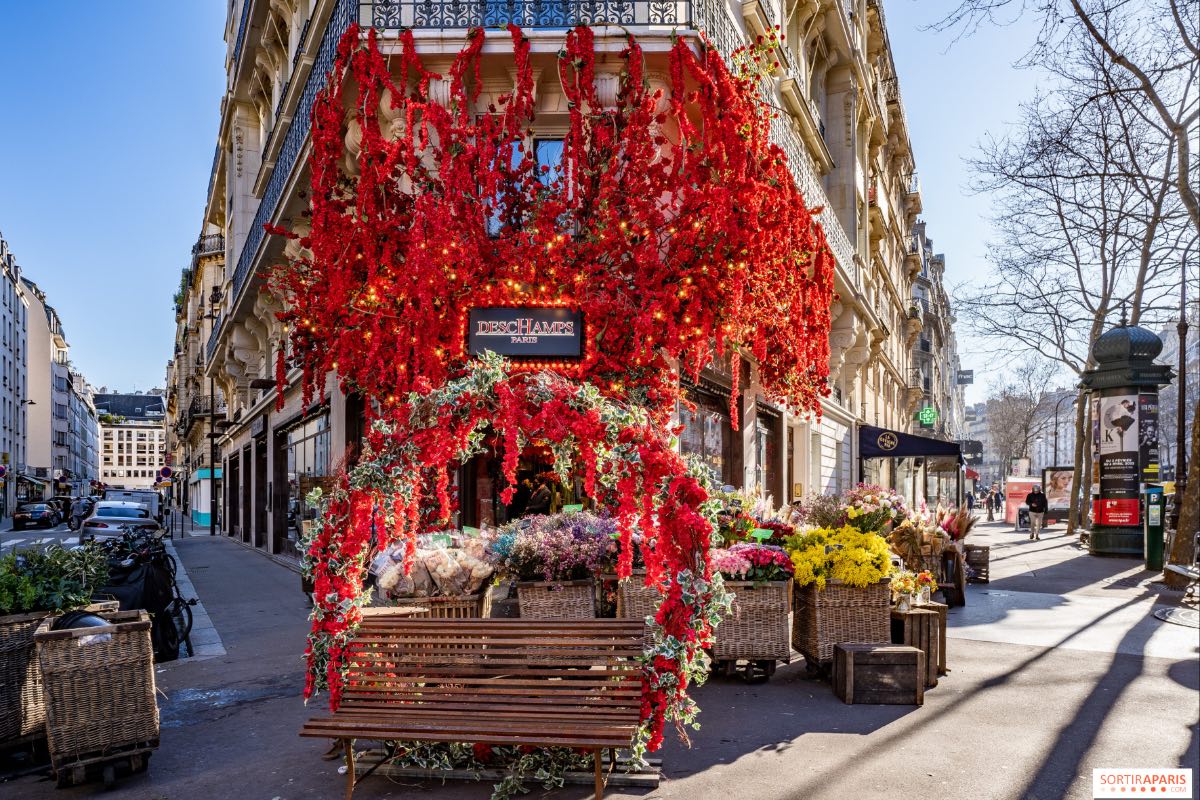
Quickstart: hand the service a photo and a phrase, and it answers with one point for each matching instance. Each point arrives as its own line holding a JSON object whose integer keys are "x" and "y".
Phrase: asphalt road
{"x": 36, "y": 537}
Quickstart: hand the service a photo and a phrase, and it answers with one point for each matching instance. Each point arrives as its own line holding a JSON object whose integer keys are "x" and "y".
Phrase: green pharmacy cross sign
{"x": 927, "y": 415}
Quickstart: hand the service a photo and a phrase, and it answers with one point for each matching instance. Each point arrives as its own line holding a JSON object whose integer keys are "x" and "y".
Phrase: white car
{"x": 111, "y": 518}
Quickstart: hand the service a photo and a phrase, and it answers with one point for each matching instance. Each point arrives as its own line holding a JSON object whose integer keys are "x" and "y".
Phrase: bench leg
{"x": 599, "y": 774}
{"x": 349, "y": 747}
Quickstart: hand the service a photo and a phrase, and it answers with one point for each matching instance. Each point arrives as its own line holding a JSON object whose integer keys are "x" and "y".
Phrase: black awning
{"x": 882, "y": 443}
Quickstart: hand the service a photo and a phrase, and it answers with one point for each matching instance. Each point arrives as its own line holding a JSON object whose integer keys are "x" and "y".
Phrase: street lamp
{"x": 214, "y": 525}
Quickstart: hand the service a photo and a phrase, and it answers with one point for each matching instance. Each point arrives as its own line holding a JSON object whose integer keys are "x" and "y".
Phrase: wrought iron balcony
{"x": 438, "y": 14}
{"x": 209, "y": 245}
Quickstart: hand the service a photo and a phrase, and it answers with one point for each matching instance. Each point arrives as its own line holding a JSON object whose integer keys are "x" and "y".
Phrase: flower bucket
{"x": 837, "y": 614}
{"x": 759, "y": 623}
{"x": 556, "y": 599}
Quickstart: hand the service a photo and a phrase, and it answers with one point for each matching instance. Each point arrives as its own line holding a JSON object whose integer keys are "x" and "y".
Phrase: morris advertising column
{"x": 1124, "y": 401}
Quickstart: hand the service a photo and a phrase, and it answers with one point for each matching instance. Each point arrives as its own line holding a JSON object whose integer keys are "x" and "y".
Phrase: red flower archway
{"x": 399, "y": 487}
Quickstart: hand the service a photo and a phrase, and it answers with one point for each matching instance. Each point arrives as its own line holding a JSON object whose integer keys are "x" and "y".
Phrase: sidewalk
{"x": 1013, "y": 720}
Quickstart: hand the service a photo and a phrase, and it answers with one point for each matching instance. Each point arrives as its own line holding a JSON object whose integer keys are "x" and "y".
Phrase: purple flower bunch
{"x": 561, "y": 547}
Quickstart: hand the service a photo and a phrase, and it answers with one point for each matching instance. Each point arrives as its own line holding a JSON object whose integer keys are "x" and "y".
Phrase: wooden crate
{"x": 977, "y": 557}
{"x": 884, "y": 674}
{"x": 918, "y": 627}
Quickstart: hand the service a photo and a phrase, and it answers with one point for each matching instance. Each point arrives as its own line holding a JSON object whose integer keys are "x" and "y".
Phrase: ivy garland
{"x": 399, "y": 486}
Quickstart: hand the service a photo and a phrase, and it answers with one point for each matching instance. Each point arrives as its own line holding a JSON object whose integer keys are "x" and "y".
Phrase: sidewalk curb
{"x": 209, "y": 643}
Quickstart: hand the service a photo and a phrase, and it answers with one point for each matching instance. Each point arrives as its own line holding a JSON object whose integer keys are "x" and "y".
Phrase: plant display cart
{"x": 839, "y": 613}
{"x": 756, "y": 635}
{"x": 101, "y": 713}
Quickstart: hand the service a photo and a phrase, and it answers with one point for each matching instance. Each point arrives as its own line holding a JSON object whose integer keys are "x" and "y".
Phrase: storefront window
{"x": 307, "y": 463}
{"x": 768, "y": 468}
{"x": 707, "y": 433}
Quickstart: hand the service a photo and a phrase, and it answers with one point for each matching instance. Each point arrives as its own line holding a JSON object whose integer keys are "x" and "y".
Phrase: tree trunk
{"x": 1182, "y": 548}
{"x": 1077, "y": 466}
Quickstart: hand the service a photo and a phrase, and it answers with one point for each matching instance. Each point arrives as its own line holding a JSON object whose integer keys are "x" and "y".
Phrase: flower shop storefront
{"x": 511, "y": 323}
{"x": 923, "y": 471}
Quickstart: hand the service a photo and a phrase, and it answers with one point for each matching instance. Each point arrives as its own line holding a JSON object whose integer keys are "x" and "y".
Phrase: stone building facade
{"x": 847, "y": 141}
{"x": 132, "y": 439}
{"x": 935, "y": 361}
{"x": 13, "y": 379}
{"x": 193, "y": 400}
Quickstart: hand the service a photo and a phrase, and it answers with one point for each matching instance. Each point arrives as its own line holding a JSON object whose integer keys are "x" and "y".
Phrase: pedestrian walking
{"x": 990, "y": 502}
{"x": 970, "y": 498}
{"x": 1037, "y": 512}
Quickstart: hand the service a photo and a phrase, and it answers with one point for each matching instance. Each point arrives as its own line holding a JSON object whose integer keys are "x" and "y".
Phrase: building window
{"x": 707, "y": 433}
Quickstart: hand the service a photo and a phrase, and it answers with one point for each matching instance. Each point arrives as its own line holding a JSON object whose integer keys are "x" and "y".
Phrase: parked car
{"x": 110, "y": 518}
{"x": 147, "y": 497}
{"x": 36, "y": 515}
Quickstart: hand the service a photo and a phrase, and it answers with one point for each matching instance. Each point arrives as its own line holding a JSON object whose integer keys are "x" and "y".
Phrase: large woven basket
{"x": 839, "y": 613}
{"x": 636, "y": 600}
{"x": 759, "y": 624}
{"x": 22, "y": 701}
{"x": 554, "y": 600}
{"x": 99, "y": 685}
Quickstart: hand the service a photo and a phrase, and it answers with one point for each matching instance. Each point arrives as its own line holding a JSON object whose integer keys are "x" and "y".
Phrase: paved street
{"x": 35, "y": 537}
{"x": 1057, "y": 666}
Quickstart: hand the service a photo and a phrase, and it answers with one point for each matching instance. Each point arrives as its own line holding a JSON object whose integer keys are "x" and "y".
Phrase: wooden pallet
{"x": 647, "y": 778}
{"x": 977, "y": 557}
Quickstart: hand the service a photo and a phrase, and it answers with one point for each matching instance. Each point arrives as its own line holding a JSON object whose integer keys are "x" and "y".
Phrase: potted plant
{"x": 33, "y": 585}
{"x": 554, "y": 559}
{"x": 758, "y": 626}
{"x": 841, "y": 590}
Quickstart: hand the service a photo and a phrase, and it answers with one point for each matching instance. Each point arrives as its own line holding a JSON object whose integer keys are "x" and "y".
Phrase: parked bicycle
{"x": 142, "y": 574}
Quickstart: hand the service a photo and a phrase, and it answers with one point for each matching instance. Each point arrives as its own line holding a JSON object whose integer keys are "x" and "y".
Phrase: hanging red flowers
{"x": 671, "y": 222}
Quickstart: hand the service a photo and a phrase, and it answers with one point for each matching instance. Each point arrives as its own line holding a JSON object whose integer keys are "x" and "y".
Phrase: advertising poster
{"x": 1095, "y": 424}
{"x": 1148, "y": 437}
{"x": 1056, "y": 483}
{"x": 1016, "y": 489}
{"x": 1119, "y": 453}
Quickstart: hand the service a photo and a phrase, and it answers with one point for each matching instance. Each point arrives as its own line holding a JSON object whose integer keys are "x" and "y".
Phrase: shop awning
{"x": 883, "y": 443}
{"x": 972, "y": 475}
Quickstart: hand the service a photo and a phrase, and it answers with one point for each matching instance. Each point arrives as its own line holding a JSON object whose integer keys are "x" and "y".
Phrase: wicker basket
{"x": 556, "y": 600}
{"x": 837, "y": 614}
{"x": 759, "y": 624}
{"x": 636, "y": 600}
{"x": 471, "y": 606}
{"x": 99, "y": 685}
{"x": 22, "y": 701}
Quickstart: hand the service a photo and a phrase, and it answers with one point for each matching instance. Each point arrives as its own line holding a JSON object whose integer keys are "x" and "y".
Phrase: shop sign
{"x": 966, "y": 377}
{"x": 927, "y": 415}
{"x": 526, "y": 332}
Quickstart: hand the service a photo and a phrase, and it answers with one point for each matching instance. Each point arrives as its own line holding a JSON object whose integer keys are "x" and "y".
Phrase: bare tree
{"x": 1151, "y": 48}
{"x": 1016, "y": 415}
{"x": 1088, "y": 223}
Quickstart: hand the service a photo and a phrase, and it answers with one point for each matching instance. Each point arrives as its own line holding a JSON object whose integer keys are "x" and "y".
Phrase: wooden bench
{"x": 542, "y": 683}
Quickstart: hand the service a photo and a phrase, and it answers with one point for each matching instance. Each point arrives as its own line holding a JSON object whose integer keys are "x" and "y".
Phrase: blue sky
{"x": 110, "y": 114}
{"x": 109, "y": 127}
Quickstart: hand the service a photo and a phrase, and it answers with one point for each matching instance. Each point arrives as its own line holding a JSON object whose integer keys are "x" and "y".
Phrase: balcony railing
{"x": 209, "y": 245}
{"x": 293, "y": 141}
{"x": 438, "y": 14}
